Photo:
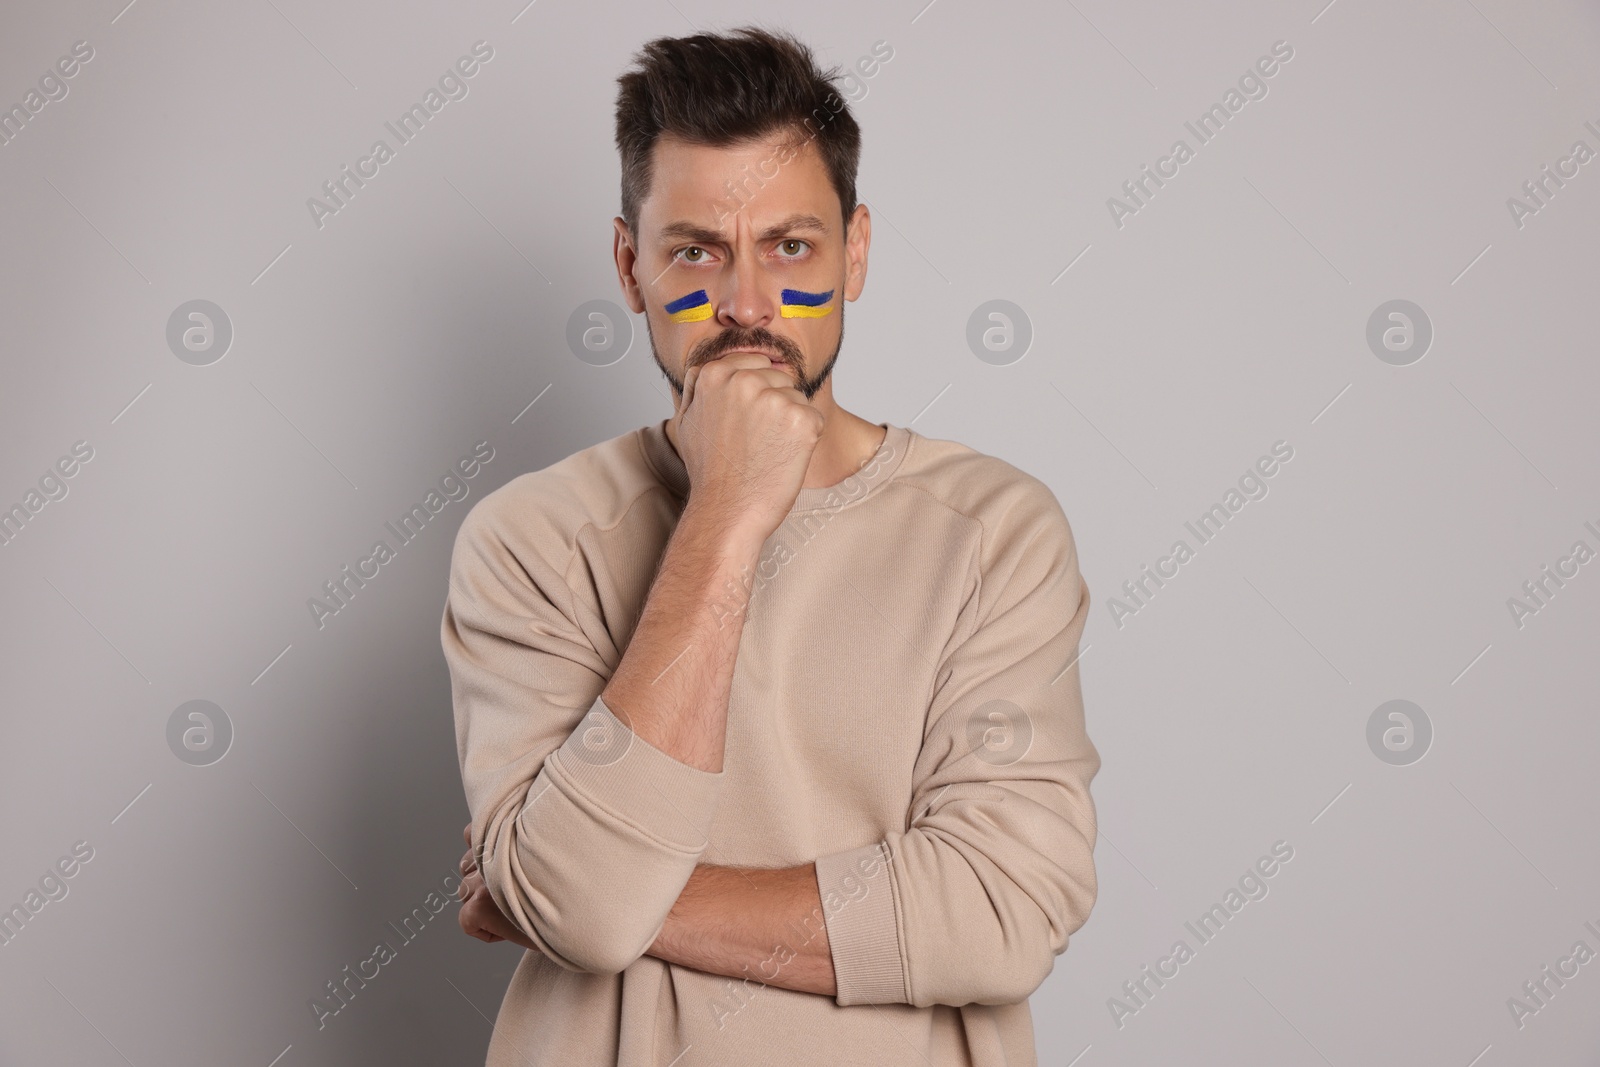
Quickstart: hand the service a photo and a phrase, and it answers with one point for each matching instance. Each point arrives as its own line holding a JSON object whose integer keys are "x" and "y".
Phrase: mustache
{"x": 740, "y": 337}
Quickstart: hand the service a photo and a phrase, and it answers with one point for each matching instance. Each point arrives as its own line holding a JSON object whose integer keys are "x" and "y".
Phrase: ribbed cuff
{"x": 665, "y": 799}
{"x": 858, "y": 906}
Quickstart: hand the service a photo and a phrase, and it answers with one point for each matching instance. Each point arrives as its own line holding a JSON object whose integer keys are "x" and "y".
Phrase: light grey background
{"x": 1230, "y": 312}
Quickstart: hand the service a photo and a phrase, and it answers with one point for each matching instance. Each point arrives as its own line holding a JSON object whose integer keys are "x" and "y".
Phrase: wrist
{"x": 725, "y": 531}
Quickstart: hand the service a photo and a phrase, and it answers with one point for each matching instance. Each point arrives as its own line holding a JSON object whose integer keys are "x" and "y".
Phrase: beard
{"x": 782, "y": 348}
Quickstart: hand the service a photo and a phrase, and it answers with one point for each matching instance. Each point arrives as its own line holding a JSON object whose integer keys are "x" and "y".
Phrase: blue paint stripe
{"x": 805, "y": 299}
{"x": 693, "y": 300}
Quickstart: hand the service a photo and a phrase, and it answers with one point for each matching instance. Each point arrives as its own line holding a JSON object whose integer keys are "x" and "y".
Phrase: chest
{"x": 844, "y": 637}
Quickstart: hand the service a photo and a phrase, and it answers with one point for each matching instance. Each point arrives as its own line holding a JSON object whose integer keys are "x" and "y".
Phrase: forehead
{"x": 690, "y": 183}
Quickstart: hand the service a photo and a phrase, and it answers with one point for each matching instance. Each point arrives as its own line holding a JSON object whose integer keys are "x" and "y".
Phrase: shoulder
{"x": 1006, "y": 503}
{"x": 1022, "y": 551}
{"x": 539, "y": 515}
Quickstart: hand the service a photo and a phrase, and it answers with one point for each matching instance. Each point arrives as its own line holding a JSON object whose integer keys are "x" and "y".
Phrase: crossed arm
{"x": 761, "y": 923}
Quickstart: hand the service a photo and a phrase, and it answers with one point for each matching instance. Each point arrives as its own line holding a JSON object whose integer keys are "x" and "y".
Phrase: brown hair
{"x": 720, "y": 89}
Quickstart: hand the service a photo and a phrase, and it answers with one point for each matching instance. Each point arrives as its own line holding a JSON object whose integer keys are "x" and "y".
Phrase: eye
{"x": 782, "y": 245}
{"x": 685, "y": 254}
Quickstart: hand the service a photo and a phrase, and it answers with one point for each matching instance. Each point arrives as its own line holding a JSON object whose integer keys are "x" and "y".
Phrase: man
{"x": 769, "y": 717}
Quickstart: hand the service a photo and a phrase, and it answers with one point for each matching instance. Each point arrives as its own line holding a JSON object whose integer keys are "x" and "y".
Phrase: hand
{"x": 480, "y": 916}
{"x": 746, "y": 435}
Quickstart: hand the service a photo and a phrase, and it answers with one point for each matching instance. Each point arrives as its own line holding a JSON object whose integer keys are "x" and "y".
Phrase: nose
{"x": 748, "y": 300}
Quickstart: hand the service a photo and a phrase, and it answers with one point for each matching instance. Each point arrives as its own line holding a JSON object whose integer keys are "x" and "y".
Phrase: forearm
{"x": 673, "y": 683}
{"x": 764, "y": 924}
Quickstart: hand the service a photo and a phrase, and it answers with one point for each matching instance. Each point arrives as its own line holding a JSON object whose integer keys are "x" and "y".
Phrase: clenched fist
{"x": 480, "y": 916}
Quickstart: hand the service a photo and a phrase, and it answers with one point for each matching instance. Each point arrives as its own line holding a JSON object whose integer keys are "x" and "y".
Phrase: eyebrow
{"x": 688, "y": 231}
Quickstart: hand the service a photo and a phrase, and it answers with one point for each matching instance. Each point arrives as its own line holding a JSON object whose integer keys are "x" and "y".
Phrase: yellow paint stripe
{"x": 804, "y": 311}
{"x": 697, "y": 314}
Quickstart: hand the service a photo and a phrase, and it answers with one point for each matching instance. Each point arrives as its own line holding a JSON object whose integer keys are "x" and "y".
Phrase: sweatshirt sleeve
{"x": 976, "y": 898}
{"x": 587, "y": 833}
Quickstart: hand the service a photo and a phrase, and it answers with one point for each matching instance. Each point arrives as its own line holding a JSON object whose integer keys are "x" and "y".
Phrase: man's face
{"x": 760, "y": 265}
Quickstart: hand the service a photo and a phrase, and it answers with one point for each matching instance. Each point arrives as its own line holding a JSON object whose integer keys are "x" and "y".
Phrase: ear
{"x": 627, "y": 257}
{"x": 858, "y": 239}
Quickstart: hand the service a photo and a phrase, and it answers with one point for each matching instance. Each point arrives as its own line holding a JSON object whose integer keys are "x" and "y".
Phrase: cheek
{"x": 801, "y": 304}
{"x": 691, "y": 307}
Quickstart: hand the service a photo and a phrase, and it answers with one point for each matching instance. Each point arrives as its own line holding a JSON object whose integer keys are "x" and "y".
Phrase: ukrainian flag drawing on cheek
{"x": 799, "y": 304}
{"x": 696, "y": 307}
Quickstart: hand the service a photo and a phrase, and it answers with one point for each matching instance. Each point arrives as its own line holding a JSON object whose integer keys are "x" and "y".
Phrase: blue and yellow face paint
{"x": 799, "y": 304}
{"x": 796, "y": 304}
{"x": 696, "y": 307}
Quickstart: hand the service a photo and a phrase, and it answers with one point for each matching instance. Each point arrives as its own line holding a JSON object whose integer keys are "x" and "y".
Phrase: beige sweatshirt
{"x": 905, "y": 711}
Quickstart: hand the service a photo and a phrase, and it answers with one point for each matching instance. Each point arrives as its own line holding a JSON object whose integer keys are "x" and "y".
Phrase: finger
{"x": 741, "y": 362}
{"x": 482, "y": 914}
{"x": 466, "y": 834}
{"x": 485, "y": 934}
{"x": 689, "y": 379}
